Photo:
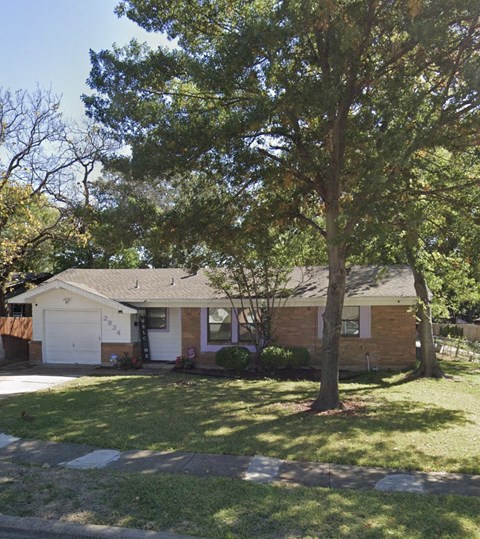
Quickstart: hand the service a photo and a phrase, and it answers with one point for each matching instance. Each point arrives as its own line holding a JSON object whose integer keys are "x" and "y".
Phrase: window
{"x": 220, "y": 324}
{"x": 17, "y": 310}
{"x": 351, "y": 322}
{"x": 246, "y": 320}
{"x": 157, "y": 318}
{"x": 356, "y": 322}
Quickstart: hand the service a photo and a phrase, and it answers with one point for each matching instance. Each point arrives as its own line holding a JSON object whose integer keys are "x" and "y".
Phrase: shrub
{"x": 301, "y": 357}
{"x": 278, "y": 357}
{"x": 234, "y": 358}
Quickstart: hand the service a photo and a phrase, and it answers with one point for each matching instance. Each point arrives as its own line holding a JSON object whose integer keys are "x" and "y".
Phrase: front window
{"x": 157, "y": 318}
{"x": 246, "y": 325}
{"x": 220, "y": 324}
{"x": 351, "y": 322}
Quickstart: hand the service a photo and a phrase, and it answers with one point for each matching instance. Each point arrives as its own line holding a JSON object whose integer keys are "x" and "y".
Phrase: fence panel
{"x": 470, "y": 331}
{"x": 15, "y": 334}
{"x": 20, "y": 328}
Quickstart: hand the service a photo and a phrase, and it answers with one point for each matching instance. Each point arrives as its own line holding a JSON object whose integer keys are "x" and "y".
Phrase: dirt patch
{"x": 52, "y": 493}
{"x": 349, "y": 408}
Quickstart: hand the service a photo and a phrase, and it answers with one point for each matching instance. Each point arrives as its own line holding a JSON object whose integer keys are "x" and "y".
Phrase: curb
{"x": 67, "y": 529}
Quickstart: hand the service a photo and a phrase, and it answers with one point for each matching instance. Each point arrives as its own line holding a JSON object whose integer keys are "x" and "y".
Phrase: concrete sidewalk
{"x": 258, "y": 468}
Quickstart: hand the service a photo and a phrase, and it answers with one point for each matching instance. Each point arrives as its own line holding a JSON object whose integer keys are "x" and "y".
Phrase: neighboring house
{"x": 18, "y": 284}
{"x": 84, "y": 316}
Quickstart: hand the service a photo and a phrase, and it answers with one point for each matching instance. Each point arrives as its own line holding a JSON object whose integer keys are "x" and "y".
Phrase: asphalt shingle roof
{"x": 135, "y": 285}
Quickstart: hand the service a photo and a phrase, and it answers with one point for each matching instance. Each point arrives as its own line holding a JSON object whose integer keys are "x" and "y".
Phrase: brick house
{"x": 83, "y": 316}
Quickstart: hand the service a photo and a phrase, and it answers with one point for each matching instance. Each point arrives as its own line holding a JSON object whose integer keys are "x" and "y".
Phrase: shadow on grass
{"x": 174, "y": 412}
{"x": 232, "y": 508}
{"x": 236, "y": 509}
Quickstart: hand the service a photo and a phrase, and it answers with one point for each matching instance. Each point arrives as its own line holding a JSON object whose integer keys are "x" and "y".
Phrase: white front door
{"x": 72, "y": 337}
{"x": 166, "y": 344}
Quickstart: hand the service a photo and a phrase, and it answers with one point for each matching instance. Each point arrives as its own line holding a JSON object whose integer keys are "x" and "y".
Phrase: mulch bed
{"x": 280, "y": 374}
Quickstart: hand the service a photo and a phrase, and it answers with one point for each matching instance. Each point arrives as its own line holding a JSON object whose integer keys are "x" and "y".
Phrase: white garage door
{"x": 72, "y": 337}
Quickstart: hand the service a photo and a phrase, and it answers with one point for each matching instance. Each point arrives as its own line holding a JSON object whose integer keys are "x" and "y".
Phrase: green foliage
{"x": 278, "y": 357}
{"x": 439, "y": 217}
{"x": 235, "y": 358}
{"x": 451, "y": 331}
{"x": 275, "y": 357}
{"x": 325, "y": 107}
{"x": 301, "y": 357}
{"x": 116, "y": 227}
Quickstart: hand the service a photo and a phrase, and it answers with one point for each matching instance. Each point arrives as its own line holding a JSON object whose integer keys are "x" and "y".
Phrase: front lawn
{"x": 232, "y": 508}
{"x": 424, "y": 424}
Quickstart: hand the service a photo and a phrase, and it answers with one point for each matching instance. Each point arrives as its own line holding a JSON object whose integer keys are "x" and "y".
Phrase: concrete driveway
{"x": 14, "y": 381}
{"x": 15, "y": 384}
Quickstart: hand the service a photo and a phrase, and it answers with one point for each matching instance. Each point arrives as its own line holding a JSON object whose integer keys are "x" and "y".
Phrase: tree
{"x": 258, "y": 276}
{"x": 38, "y": 160}
{"x": 329, "y": 98}
{"x": 433, "y": 227}
{"x": 114, "y": 224}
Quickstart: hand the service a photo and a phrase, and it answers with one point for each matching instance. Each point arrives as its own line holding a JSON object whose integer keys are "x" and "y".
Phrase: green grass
{"x": 422, "y": 424}
{"x": 232, "y": 509}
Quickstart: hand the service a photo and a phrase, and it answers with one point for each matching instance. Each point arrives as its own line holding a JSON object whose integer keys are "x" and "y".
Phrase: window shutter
{"x": 365, "y": 322}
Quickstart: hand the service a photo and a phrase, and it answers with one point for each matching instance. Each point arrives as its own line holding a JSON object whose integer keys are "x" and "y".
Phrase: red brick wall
{"x": 35, "y": 352}
{"x": 191, "y": 337}
{"x": 392, "y": 342}
{"x": 297, "y": 326}
{"x": 393, "y": 336}
{"x": 132, "y": 349}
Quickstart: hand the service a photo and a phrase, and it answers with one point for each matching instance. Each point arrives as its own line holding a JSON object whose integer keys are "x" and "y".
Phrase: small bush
{"x": 278, "y": 357}
{"x": 235, "y": 358}
{"x": 301, "y": 357}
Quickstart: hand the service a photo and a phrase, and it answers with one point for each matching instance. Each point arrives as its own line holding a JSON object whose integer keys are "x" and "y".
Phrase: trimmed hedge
{"x": 235, "y": 358}
{"x": 278, "y": 357}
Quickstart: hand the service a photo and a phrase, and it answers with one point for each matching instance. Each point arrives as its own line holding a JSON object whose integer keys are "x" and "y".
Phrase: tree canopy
{"x": 328, "y": 101}
{"x": 40, "y": 160}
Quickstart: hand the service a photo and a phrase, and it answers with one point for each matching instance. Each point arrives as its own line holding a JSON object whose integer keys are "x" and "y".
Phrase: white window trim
{"x": 205, "y": 346}
{"x": 365, "y": 322}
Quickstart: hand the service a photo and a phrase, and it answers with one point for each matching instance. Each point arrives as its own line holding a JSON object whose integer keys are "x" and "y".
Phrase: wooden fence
{"x": 470, "y": 331}
{"x": 15, "y": 334}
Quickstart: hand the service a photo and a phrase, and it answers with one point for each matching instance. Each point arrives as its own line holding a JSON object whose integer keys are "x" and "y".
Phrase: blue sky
{"x": 47, "y": 42}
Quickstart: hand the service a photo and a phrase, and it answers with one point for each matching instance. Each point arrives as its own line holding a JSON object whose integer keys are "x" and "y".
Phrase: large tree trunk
{"x": 329, "y": 397}
{"x": 429, "y": 365}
